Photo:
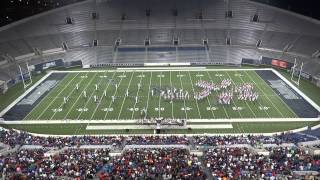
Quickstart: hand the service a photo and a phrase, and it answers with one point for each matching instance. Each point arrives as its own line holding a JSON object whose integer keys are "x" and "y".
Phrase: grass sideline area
{"x": 80, "y": 129}
{"x": 170, "y": 110}
{"x": 15, "y": 91}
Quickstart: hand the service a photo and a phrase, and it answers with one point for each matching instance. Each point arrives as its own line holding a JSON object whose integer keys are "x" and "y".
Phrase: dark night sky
{"x": 309, "y": 8}
{"x": 13, "y": 10}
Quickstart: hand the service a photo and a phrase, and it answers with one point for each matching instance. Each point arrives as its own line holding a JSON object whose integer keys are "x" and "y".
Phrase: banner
{"x": 279, "y": 63}
{"x": 50, "y": 64}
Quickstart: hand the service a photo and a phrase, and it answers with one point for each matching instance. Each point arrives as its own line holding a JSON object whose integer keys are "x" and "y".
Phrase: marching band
{"x": 243, "y": 92}
{"x": 174, "y": 94}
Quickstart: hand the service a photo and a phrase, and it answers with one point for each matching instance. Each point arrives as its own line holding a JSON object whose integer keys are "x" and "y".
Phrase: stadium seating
{"x": 25, "y": 156}
{"x": 277, "y": 30}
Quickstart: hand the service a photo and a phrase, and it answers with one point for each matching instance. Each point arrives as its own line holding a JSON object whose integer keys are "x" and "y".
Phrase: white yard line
{"x": 210, "y": 105}
{"x": 55, "y": 97}
{"x": 113, "y": 95}
{"x": 225, "y": 111}
{"x": 36, "y": 84}
{"x": 77, "y": 130}
{"x": 184, "y": 101}
{"x": 305, "y": 97}
{"x": 171, "y": 101}
{"x": 159, "y": 110}
{"x": 76, "y": 102}
{"x": 244, "y": 101}
{"x": 69, "y": 94}
{"x": 95, "y": 110}
{"x": 147, "y": 107}
{"x": 268, "y": 97}
{"x": 189, "y": 120}
{"x": 184, "y": 69}
{"x": 239, "y": 127}
{"x": 280, "y": 98}
{"x": 88, "y": 100}
{"x": 125, "y": 97}
{"x": 259, "y": 89}
{"x": 164, "y": 69}
{"x": 135, "y": 103}
{"x": 194, "y": 93}
{"x": 138, "y": 126}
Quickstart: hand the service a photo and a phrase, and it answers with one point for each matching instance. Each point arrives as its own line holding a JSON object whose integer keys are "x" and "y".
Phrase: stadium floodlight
{"x": 294, "y": 71}
{"x": 25, "y": 85}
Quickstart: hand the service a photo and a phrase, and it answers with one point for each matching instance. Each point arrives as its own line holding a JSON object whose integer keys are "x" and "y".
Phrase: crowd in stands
{"x": 157, "y": 140}
{"x": 230, "y": 140}
{"x": 289, "y": 159}
{"x": 14, "y": 138}
{"x": 166, "y": 164}
{"x": 34, "y": 164}
{"x": 237, "y": 162}
{"x": 224, "y": 157}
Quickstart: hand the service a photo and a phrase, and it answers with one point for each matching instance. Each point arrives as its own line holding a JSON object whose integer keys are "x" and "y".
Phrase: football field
{"x": 124, "y": 94}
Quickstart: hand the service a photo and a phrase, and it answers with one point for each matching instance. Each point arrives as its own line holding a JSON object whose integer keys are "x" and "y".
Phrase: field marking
{"x": 194, "y": 93}
{"x": 225, "y": 111}
{"x": 106, "y": 114}
{"x": 279, "y": 96}
{"x": 155, "y": 68}
{"x": 184, "y": 101}
{"x": 296, "y": 89}
{"x": 24, "y": 94}
{"x": 259, "y": 89}
{"x": 267, "y": 95}
{"x": 76, "y": 102}
{"x": 62, "y": 103}
{"x": 51, "y": 101}
{"x": 95, "y": 110}
{"x": 135, "y": 103}
{"x": 68, "y": 95}
{"x": 148, "y": 96}
{"x": 171, "y": 101}
{"x": 254, "y": 114}
{"x": 86, "y": 103}
{"x": 160, "y": 96}
{"x": 240, "y": 129}
{"x": 138, "y": 126}
{"x": 210, "y": 105}
{"x": 68, "y": 121}
{"x": 125, "y": 97}
{"x": 89, "y": 99}
{"x": 184, "y": 69}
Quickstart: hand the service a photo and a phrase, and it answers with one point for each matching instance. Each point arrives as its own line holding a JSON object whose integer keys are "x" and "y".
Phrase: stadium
{"x": 159, "y": 89}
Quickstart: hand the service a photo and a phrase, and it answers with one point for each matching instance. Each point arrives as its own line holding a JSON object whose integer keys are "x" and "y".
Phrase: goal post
{"x": 296, "y": 71}
{"x": 25, "y": 81}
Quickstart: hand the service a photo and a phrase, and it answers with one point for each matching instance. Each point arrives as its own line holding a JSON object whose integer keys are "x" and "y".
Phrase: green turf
{"x": 47, "y": 108}
{"x": 121, "y": 108}
{"x": 15, "y": 91}
{"x": 307, "y": 87}
{"x": 78, "y": 129}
